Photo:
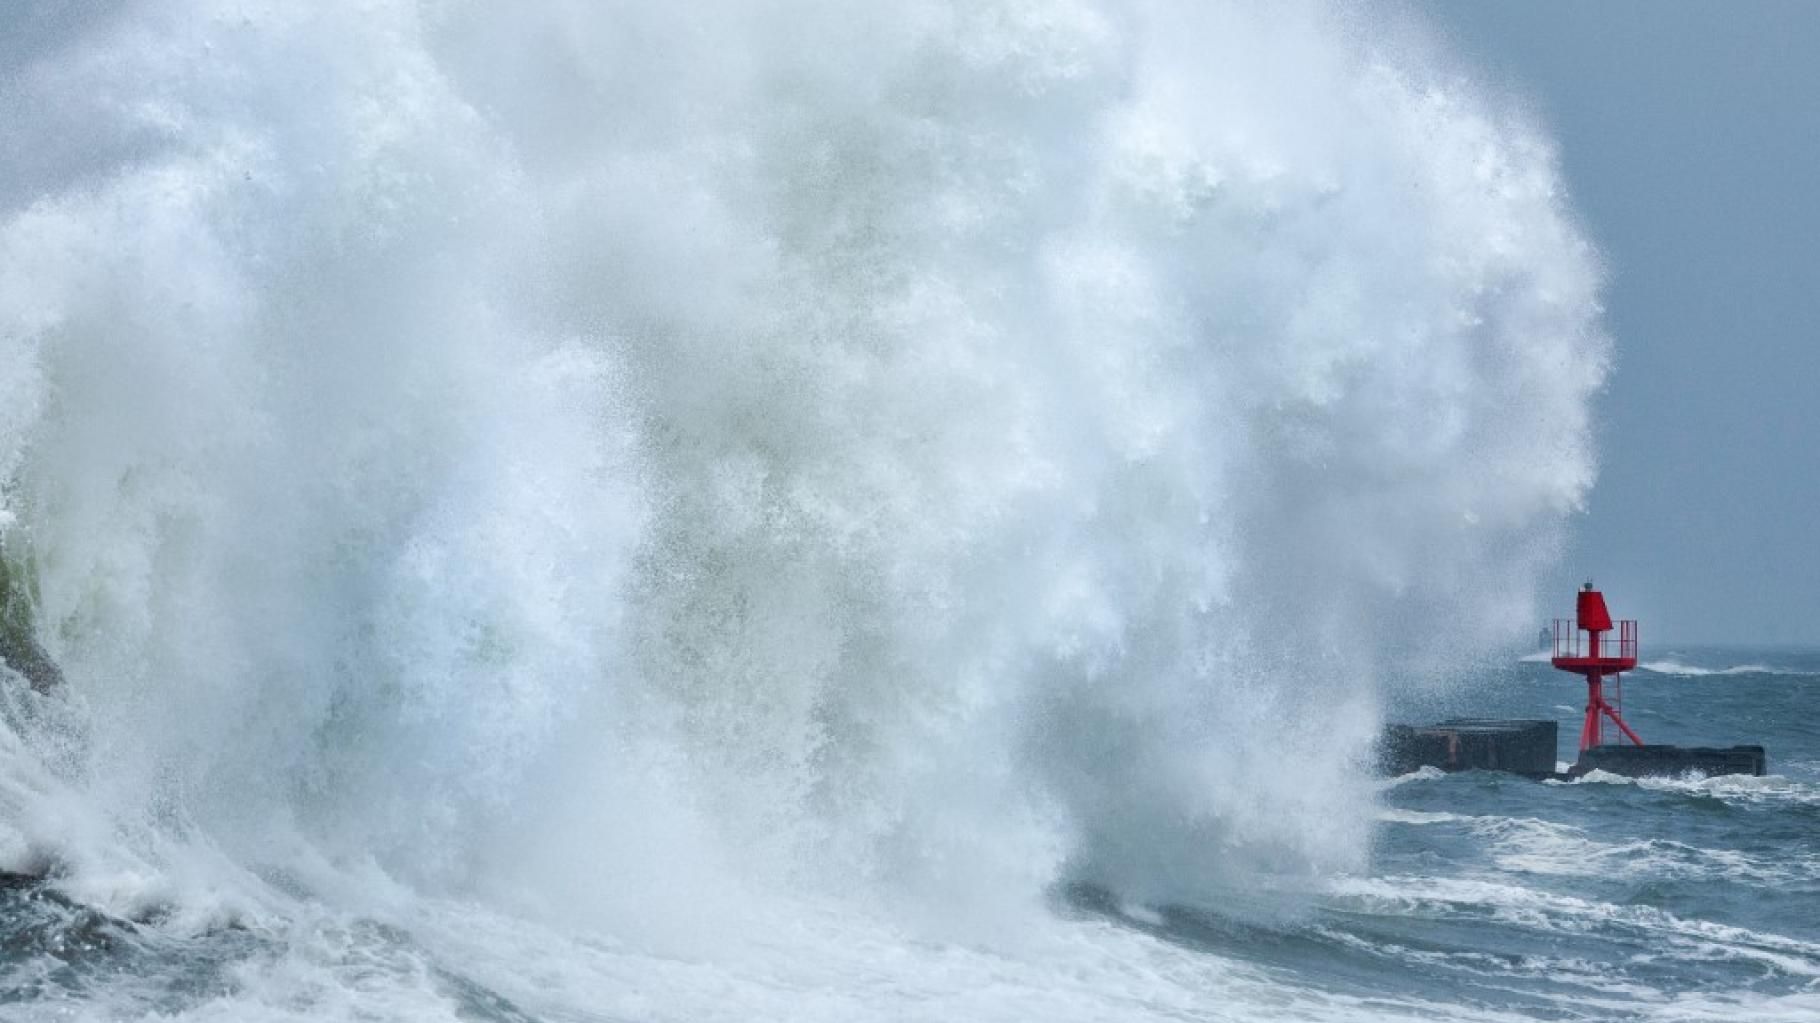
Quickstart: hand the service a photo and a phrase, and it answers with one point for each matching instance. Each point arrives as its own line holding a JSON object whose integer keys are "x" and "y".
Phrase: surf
{"x": 626, "y": 467}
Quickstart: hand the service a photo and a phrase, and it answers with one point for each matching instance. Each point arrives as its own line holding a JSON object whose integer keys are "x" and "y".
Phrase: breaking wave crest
{"x": 605, "y": 459}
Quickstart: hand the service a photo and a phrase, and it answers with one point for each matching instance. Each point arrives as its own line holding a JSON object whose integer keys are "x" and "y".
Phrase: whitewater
{"x": 785, "y": 510}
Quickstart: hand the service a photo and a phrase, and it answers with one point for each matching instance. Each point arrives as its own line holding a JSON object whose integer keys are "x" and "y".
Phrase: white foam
{"x": 1719, "y": 1006}
{"x": 1740, "y": 788}
{"x": 625, "y": 464}
{"x": 1547, "y": 848}
{"x": 1552, "y": 912}
{"x": 1426, "y": 772}
{"x": 1669, "y": 667}
{"x": 1396, "y": 815}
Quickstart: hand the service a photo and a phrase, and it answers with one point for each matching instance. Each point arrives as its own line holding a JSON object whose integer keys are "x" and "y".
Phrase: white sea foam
{"x": 1669, "y": 667}
{"x": 1661, "y": 932}
{"x": 1397, "y": 815}
{"x": 1424, "y": 773}
{"x": 1532, "y": 846}
{"x": 1529, "y": 845}
{"x": 1724, "y": 1007}
{"x": 627, "y": 465}
{"x": 1575, "y": 982}
{"x": 1739, "y": 788}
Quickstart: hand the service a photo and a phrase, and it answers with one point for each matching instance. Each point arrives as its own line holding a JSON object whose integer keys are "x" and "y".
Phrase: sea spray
{"x": 596, "y": 455}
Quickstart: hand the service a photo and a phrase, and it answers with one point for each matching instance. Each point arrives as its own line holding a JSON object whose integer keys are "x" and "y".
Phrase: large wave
{"x": 594, "y": 455}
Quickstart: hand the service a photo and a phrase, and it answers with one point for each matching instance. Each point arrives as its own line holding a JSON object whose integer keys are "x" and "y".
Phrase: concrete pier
{"x": 1525, "y": 747}
{"x": 1671, "y": 761}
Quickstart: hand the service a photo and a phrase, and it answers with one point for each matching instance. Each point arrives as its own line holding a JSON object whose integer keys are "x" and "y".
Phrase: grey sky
{"x": 1690, "y": 138}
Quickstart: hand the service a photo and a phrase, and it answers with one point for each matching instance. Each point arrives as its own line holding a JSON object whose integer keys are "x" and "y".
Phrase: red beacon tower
{"x": 1589, "y": 644}
{"x": 1583, "y": 647}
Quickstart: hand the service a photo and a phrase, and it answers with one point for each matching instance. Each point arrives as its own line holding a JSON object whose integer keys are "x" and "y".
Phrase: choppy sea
{"x": 1605, "y": 897}
{"x": 1488, "y": 897}
{"x": 628, "y": 512}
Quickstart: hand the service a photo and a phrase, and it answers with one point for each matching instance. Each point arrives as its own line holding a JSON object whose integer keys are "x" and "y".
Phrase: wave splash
{"x": 594, "y": 458}
{"x": 1672, "y": 667}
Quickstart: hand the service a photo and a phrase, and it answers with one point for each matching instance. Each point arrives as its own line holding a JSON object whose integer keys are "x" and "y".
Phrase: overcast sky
{"x": 1690, "y": 138}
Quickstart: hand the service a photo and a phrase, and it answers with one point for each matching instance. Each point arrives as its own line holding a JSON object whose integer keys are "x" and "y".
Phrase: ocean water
{"x": 1607, "y": 897}
{"x": 807, "y": 510}
{"x": 1485, "y": 896}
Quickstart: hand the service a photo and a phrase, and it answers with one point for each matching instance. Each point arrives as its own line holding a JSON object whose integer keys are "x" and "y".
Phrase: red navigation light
{"x": 1589, "y": 608}
{"x": 1581, "y": 647}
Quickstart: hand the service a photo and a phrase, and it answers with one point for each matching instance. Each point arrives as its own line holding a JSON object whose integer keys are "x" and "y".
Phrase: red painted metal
{"x": 1582, "y": 647}
{"x": 1589, "y": 608}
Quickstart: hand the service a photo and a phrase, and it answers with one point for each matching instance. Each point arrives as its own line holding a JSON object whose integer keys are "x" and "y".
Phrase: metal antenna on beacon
{"x": 1582, "y": 646}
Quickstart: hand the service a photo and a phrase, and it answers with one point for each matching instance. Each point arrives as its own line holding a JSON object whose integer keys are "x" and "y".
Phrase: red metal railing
{"x": 1571, "y": 641}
